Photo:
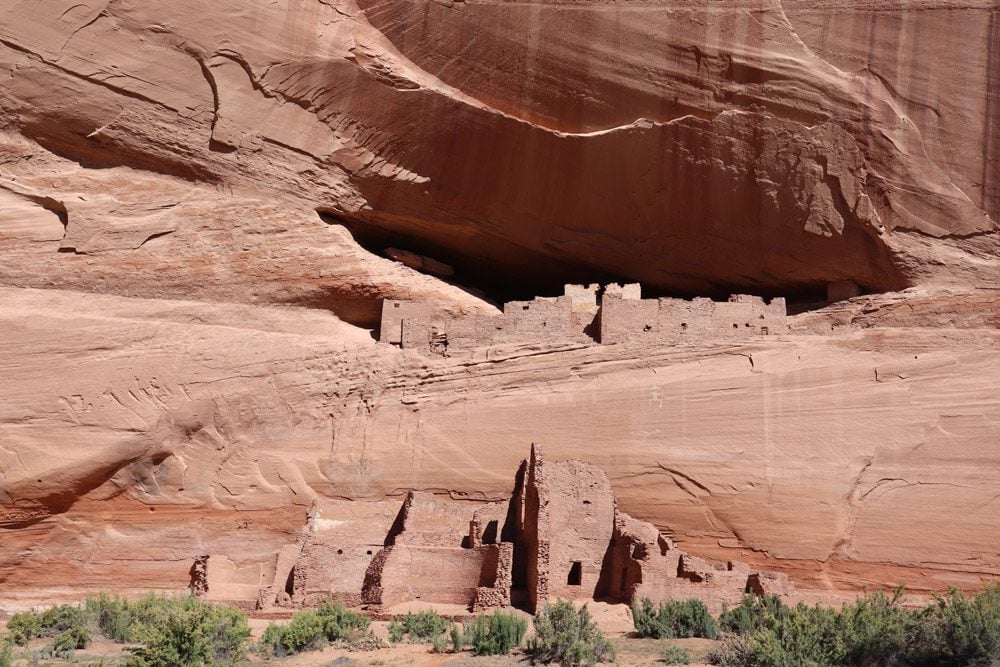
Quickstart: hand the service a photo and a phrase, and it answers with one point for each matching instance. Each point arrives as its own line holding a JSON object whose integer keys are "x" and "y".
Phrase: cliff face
{"x": 194, "y": 199}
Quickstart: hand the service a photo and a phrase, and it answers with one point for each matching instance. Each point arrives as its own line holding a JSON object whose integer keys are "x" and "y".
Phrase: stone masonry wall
{"x": 619, "y": 315}
{"x": 677, "y": 320}
{"x": 575, "y": 521}
{"x": 343, "y": 537}
{"x": 559, "y": 536}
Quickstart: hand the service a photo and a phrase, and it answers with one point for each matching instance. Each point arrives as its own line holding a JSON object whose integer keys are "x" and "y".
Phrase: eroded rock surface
{"x": 201, "y": 203}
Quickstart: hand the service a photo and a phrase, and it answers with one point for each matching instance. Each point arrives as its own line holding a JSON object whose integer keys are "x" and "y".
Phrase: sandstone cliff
{"x": 197, "y": 202}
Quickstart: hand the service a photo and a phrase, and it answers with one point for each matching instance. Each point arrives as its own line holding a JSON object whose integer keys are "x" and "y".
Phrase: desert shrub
{"x": 191, "y": 632}
{"x": 457, "y": 639}
{"x": 66, "y": 623}
{"x": 174, "y": 630}
{"x": 753, "y": 613}
{"x": 66, "y": 642}
{"x": 674, "y": 619}
{"x": 874, "y": 631}
{"x": 568, "y": 636}
{"x": 956, "y": 630}
{"x": 807, "y": 637}
{"x": 676, "y": 655}
{"x": 439, "y": 644}
{"x": 6, "y": 653}
{"x": 733, "y": 651}
{"x": 123, "y": 621}
{"x": 496, "y": 634}
{"x": 421, "y": 627}
{"x": 23, "y": 627}
{"x": 314, "y": 629}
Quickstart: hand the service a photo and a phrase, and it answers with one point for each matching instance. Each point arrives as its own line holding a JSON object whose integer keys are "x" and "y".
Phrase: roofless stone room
{"x": 469, "y": 332}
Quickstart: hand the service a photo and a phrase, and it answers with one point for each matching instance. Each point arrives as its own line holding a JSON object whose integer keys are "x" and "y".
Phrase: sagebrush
{"x": 423, "y": 626}
{"x": 314, "y": 629}
{"x": 676, "y": 655}
{"x": 673, "y": 619}
{"x": 568, "y": 636}
{"x": 874, "y": 631}
{"x": 496, "y": 634}
{"x": 171, "y": 630}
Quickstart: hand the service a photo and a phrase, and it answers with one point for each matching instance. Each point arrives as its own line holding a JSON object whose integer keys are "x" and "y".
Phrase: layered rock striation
{"x": 204, "y": 206}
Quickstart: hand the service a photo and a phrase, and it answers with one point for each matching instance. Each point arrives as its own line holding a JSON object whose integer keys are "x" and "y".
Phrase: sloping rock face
{"x": 197, "y": 202}
{"x": 695, "y": 147}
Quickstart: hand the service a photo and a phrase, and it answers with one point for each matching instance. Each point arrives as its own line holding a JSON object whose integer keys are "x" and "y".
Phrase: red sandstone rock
{"x": 177, "y": 186}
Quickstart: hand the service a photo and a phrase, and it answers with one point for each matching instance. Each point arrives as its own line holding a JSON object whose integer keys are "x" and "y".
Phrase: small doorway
{"x": 575, "y": 577}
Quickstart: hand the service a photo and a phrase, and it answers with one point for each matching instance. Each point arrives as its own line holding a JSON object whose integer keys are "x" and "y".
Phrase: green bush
{"x": 568, "y": 636}
{"x": 6, "y": 653}
{"x": 754, "y": 612}
{"x": 191, "y": 632}
{"x": 674, "y": 619}
{"x": 314, "y": 629}
{"x": 957, "y": 630}
{"x": 68, "y": 625}
{"x": 173, "y": 630}
{"x": 676, "y": 655}
{"x": 125, "y": 621}
{"x": 420, "y": 627}
{"x": 457, "y": 639}
{"x": 733, "y": 651}
{"x": 496, "y": 634}
{"x": 23, "y": 627}
{"x": 874, "y": 631}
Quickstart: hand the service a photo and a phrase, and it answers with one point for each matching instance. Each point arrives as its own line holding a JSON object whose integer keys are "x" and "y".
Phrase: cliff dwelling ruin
{"x": 586, "y": 314}
{"x": 559, "y": 535}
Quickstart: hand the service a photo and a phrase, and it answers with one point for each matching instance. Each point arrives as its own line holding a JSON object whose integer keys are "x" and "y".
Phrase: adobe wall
{"x": 421, "y": 327}
{"x": 668, "y": 320}
{"x": 232, "y": 583}
{"x": 575, "y": 520}
{"x": 619, "y": 315}
{"x": 429, "y": 556}
{"x": 432, "y": 521}
{"x": 394, "y": 313}
{"x": 642, "y": 563}
{"x": 342, "y": 539}
{"x": 488, "y": 523}
{"x": 495, "y": 581}
{"x": 436, "y": 574}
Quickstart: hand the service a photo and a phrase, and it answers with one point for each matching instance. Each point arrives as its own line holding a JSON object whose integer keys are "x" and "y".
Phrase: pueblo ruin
{"x": 614, "y": 314}
{"x": 559, "y": 535}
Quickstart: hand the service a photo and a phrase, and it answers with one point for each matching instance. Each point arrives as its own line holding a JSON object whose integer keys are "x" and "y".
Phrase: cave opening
{"x": 531, "y": 274}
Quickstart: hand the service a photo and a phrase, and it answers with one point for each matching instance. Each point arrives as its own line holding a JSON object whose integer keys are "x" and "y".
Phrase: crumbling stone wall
{"x": 429, "y": 555}
{"x": 396, "y": 313}
{"x": 421, "y": 327}
{"x": 221, "y": 579}
{"x": 619, "y": 315}
{"x": 642, "y": 563}
{"x": 559, "y": 535}
{"x": 487, "y": 524}
{"x": 574, "y": 509}
{"x": 434, "y": 574}
{"x": 342, "y": 538}
{"x": 495, "y": 583}
{"x": 668, "y": 320}
{"x": 430, "y": 521}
